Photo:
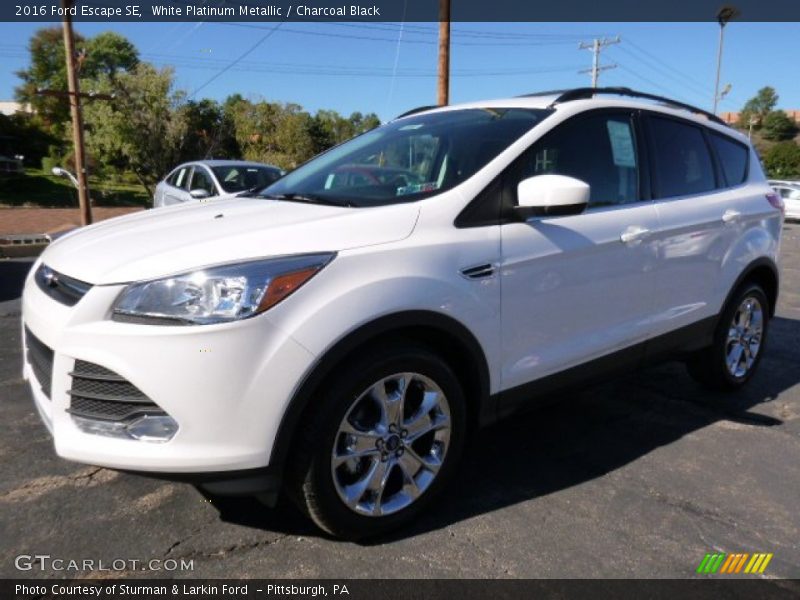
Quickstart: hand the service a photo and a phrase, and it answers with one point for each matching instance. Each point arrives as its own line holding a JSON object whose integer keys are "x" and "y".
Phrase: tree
{"x": 22, "y": 134}
{"x": 108, "y": 53}
{"x": 210, "y": 131}
{"x": 759, "y": 106}
{"x": 144, "y": 128}
{"x": 782, "y": 160}
{"x": 778, "y": 126}
{"x": 330, "y": 128}
{"x": 47, "y": 70}
{"x": 274, "y": 133}
{"x": 105, "y": 54}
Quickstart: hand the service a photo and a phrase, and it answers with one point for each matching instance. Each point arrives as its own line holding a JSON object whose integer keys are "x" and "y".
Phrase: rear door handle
{"x": 731, "y": 216}
{"x": 634, "y": 233}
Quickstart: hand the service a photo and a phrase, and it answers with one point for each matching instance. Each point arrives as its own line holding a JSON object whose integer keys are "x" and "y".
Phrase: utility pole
{"x": 596, "y": 46}
{"x": 444, "y": 53}
{"x": 73, "y": 89}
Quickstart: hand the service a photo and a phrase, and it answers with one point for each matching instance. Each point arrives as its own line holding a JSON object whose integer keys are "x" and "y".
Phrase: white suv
{"x": 343, "y": 332}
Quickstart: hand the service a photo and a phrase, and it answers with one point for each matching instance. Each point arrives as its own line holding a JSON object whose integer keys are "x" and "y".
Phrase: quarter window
{"x": 733, "y": 158}
{"x": 179, "y": 177}
{"x": 599, "y": 150}
{"x": 683, "y": 163}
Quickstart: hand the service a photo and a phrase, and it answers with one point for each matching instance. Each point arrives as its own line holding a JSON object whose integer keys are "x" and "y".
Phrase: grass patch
{"x": 42, "y": 189}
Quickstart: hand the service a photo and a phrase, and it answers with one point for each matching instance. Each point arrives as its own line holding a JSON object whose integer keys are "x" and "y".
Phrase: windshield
{"x": 239, "y": 178}
{"x": 407, "y": 159}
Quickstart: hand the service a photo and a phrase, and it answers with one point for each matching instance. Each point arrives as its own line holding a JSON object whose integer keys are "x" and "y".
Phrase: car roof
{"x": 229, "y": 163}
{"x": 581, "y": 99}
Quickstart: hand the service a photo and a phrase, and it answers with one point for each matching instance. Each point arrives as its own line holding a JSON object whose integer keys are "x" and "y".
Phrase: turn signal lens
{"x": 283, "y": 285}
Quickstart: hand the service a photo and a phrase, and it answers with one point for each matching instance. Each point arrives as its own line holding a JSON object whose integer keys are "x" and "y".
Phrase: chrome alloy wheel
{"x": 744, "y": 337}
{"x": 390, "y": 445}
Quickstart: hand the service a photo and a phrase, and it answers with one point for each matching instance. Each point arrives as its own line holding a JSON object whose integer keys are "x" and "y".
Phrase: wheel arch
{"x": 764, "y": 272}
{"x": 443, "y": 334}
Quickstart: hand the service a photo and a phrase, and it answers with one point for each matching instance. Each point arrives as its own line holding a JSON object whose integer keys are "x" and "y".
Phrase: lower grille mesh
{"x": 98, "y": 393}
{"x": 40, "y": 358}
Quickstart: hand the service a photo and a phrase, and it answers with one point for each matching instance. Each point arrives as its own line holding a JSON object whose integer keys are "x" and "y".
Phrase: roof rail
{"x": 588, "y": 92}
{"x": 414, "y": 111}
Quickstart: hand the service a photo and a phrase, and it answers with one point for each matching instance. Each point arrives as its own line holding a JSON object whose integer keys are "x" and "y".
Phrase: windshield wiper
{"x": 309, "y": 199}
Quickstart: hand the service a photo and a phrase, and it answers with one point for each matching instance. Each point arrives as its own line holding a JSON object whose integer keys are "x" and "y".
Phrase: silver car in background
{"x": 213, "y": 179}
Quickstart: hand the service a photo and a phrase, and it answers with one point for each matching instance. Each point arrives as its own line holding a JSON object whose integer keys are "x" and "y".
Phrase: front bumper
{"x": 226, "y": 385}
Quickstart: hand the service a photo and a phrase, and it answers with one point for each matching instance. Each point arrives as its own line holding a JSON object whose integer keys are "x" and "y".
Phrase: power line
{"x": 545, "y": 42}
{"x": 664, "y": 64}
{"x": 244, "y": 55}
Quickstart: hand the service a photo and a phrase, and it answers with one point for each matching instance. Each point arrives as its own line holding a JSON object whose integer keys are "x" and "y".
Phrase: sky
{"x": 388, "y": 68}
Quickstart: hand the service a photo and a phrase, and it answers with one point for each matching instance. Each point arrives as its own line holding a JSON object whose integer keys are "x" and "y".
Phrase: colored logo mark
{"x": 734, "y": 563}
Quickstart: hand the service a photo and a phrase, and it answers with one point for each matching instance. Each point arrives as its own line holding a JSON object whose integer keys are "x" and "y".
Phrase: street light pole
{"x": 724, "y": 16}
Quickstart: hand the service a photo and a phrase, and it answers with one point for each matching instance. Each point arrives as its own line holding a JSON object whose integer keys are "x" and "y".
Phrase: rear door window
{"x": 683, "y": 165}
{"x": 732, "y": 157}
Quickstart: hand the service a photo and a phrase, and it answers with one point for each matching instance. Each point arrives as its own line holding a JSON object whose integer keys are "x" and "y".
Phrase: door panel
{"x": 573, "y": 291}
{"x": 575, "y": 288}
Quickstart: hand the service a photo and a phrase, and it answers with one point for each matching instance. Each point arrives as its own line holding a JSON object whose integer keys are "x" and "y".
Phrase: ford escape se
{"x": 342, "y": 332}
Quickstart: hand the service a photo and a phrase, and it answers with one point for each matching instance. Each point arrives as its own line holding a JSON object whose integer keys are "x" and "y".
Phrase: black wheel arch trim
{"x": 747, "y": 273}
{"x": 362, "y": 335}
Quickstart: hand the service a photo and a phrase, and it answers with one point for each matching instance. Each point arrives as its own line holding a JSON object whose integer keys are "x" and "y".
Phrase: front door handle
{"x": 731, "y": 216}
{"x": 634, "y": 233}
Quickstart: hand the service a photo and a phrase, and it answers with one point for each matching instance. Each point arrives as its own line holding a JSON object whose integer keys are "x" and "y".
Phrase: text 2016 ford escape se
{"x": 344, "y": 331}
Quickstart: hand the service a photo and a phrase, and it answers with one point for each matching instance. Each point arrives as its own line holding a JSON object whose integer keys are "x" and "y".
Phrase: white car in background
{"x": 213, "y": 179}
{"x": 790, "y": 192}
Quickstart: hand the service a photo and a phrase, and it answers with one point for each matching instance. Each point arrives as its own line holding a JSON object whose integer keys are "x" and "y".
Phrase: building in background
{"x": 731, "y": 118}
{"x": 10, "y": 107}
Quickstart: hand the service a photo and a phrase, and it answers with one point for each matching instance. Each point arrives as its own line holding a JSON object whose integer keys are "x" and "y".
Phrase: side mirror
{"x": 551, "y": 196}
{"x": 199, "y": 194}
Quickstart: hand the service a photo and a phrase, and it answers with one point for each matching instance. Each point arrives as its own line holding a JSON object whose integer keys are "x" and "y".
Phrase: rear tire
{"x": 382, "y": 439}
{"x": 733, "y": 357}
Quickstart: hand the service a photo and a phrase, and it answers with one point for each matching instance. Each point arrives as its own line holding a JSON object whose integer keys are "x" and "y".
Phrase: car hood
{"x": 164, "y": 241}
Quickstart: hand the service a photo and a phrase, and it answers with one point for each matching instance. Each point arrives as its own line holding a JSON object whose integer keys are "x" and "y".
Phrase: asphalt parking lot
{"x": 634, "y": 478}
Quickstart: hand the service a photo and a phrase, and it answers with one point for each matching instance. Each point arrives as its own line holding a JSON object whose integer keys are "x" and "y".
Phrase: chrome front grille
{"x": 99, "y": 393}
{"x": 40, "y": 358}
{"x": 60, "y": 287}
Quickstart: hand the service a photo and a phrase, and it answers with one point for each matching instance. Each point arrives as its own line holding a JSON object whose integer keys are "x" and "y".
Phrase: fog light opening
{"x": 148, "y": 428}
{"x": 153, "y": 428}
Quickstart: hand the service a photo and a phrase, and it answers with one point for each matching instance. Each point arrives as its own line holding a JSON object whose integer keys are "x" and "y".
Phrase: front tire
{"x": 732, "y": 359}
{"x": 382, "y": 440}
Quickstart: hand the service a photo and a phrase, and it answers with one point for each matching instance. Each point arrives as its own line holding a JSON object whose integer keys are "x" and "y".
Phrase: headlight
{"x": 217, "y": 294}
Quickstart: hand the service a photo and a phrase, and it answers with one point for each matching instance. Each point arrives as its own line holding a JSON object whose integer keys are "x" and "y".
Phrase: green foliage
{"x": 42, "y": 188}
{"x": 22, "y": 134}
{"x": 778, "y": 126}
{"x": 47, "y": 70}
{"x": 210, "y": 131}
{"x": 108, "y": 53}
{"x": 143, "y": 129}
{"x": 150, "y": 126}
{"x": 758, "y": 107}
{"x": 782, "y": 160}
{"x": 105, "y": 54}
